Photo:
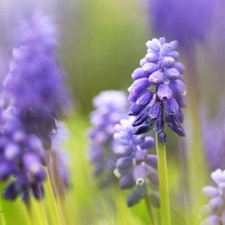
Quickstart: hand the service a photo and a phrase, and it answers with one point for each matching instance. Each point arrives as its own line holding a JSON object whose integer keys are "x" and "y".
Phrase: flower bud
{"x": 156, "y": 78}
{"x": 127, "y": 181}
{"x": 164, "y": 92}
{"x": 168, "y": 61}
{"x": 172, "y": 73}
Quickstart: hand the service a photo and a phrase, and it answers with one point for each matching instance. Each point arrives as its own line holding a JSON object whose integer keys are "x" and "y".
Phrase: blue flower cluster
{"x": 214, "y": 212}
{"x": 22, "y": 156}
{"x": 134, "y": 165}
{"x": 33, "y": 97}
{"x": 183, "y": 20}
{"x": 158, "y": 92}
{"x": 35, "y": 80}
{"x": 110, "y": 107}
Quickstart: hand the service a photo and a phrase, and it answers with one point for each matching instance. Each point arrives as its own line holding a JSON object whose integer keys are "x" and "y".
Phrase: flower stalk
{"x": 163, "y": 183}
{"x": 55, "y": 213}
{"x": 150, "y": 211}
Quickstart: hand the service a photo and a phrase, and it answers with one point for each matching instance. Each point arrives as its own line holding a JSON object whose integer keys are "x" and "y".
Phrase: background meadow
{"x": 101, "y": 43}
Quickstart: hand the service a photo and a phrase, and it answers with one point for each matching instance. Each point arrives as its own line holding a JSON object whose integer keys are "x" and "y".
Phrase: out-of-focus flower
{"x": 110, "y": 107}
{"x": 33, "y": 96}
{"x": 134, "y": 165}
{"x": 22, "y": 156}
{"x": 158, "y": 92}
{"x": 34, "y": 82}
{"x": 186, "y": 21}
{"x": 214, "y": 129}
{"x": 214, "y": 212}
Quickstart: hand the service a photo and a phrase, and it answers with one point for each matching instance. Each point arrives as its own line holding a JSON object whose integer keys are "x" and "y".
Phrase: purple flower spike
{"x": 35, "y": 81}
{"x": 110, "y": 108}
{"x": 138, "y": 168}
{"x": 213, "y": 212}
{"x": 35, "y": 67}
{"x": 167, "y": 88}
{"x": 168, "y": 16}
{"x": 33, "y": 97}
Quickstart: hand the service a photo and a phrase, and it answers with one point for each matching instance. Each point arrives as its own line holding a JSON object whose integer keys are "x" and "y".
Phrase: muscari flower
{"x": 214, "y": 212}
{"x": 214, "y": 150}
{"x": 33, "y": 97}
{"x": 34, "y": 82}
{"x": 22, "y": 156}
{"x": 135, "y": 166}
{"x": 110, "y": 107}
{"x": 158, "y": 92}
{"x": 182, "y": 20}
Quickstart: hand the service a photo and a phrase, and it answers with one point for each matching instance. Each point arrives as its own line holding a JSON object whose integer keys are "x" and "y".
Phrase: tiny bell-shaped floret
{"x": 155, "y": 111}
{"x": 156, "y": 78}
{"x": 164, "y": 92}
{"x": 172, "y": 73}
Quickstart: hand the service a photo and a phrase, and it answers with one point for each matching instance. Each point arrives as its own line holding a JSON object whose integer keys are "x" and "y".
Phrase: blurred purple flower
{"x": 22, "y": 156}
{"x": 186, "y": 21}
{"x": 34, "y": 82}
{"x": 33, "y": 96}
{"x": 134, "y": 165}
{"x": 110, "y": 107}
{"x": 214, "y": 211}
{"x": 214, "y": 139}
{"x": 158, "y": 92}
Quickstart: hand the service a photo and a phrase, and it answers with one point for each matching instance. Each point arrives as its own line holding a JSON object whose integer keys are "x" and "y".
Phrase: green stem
{"x": 53, "y": 207}
{"x": 151, "y": 214}
{"x": 40, "y": 212}
{"x": 2, "y": 220}
{"x": 163, "y": 183}
{"x": 30, "y": 213}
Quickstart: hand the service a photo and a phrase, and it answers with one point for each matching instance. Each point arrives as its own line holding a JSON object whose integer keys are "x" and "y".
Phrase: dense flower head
{"x": 110, "y": 107}
{"x": 35, "y": 77}
{"x": 186, "y": 21}
{"x": 34, "y": 82}
{"x": 214, "y": 212}
{"x": 135, "y": 166}
{"x": 33, "y": 97}
{"x": 158, "y": 92}
{"x": 22, "y": 156}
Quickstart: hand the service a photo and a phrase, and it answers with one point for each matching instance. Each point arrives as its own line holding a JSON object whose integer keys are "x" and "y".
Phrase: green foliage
{"x": 103, "y": 46}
